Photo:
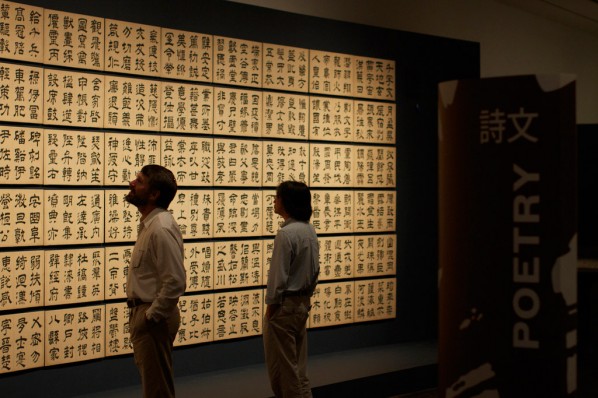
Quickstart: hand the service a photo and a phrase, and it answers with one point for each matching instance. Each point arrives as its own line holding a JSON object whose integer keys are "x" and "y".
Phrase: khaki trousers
{"x": 152, "y": 350}
{"x": 285, "y": 348}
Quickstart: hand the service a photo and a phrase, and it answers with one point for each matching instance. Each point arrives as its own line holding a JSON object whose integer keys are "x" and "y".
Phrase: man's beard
{"x": 135, "y": 200}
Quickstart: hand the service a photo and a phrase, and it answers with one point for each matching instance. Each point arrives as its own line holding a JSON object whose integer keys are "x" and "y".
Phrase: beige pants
{"x": 285, "y": 348}
{"x": 152, "y": 350}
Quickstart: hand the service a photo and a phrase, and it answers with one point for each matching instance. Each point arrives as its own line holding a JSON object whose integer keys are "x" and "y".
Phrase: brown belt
{"x": 135, "y": 302}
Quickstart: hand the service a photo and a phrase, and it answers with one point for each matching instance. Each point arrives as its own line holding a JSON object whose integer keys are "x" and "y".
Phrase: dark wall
{"x": 587, "y": 140}
{"x": 421, "y": 62}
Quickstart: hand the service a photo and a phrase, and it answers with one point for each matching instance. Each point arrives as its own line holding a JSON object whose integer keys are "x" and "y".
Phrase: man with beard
{"x": 156, "y": 280}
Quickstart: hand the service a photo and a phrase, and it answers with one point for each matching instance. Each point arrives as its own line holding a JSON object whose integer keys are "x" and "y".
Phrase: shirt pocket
{"x": 137, "y": 258}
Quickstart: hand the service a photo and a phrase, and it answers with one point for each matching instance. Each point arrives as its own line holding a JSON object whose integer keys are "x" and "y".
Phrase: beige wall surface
{"x": 512, "y": 41}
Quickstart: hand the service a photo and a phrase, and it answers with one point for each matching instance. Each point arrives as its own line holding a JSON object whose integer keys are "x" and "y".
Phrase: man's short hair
{"x": 296, "y": 199}
{"x": 162, "y": 180}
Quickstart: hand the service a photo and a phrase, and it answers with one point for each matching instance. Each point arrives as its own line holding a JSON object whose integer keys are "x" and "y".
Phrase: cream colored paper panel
{"x": 375, "y": 299}
{"x": 74, "y": 334}
{"x": 238, "y": 264}
{"x": 333, "y": 211}
{"x": 126, "y": 154}
{"x": 237, "y": 213}
{"x": 191, "y": 159}
{"x": 21, "y": 280}
{"x": 186, "y": 55}
{"x": 73, "y": 40}
{"x": 330, "y": 119}
{"x": 374, "y": 78}
{"x": 192, "y": 210}
{"x": 22, "y": 33}
{"x": 199, "y": 264}
{"x": 132, "y": 104}
{"x": 237, "y": 112}
{"x": 375, "y": 122}
{"x": 118, "y": 259}
{"x": 73, "y": 157}
{"x": 132, "y": 48}
{"x": 238, "y": 314}
{"x": 73, "y": 98}
{"x": 237, "y": 62}
{"x": 186, "y": 108}
{"x": 331, "y": 165}
{"x": 118, "y": 338}
{"x": 283, "y": 161}
{"x": 21, "y": 93}
{"x": 73, "y": 217}
{"x": 22, "y": 341}
{"x": 332, "y": 304}
{"x": 122, "y": 218}
{"x": 197, "y": 320}
{"x": 336, "y": 257}
{"x": 237, "y": 163}
{"x": 268, "y": 246}
{"x": 272, "y": 221}
{"x": 331, "y": 73}
{"x": 74, "y": 276}
{"x": 21, "y": 217}
{"x": 21, "y": 155}
{"x": 375, "y": 167}
{"x": 285, "y": 115}
{"x": 375, "y": 211}
{"x": 285, "y": 68}
{"x": 375, "y": 255}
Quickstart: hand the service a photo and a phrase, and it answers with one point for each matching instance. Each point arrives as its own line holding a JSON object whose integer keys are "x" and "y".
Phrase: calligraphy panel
{"x": 73, "y": 157}
{"x": 332, "y": 304}
{"x": 285, "y": 68}
{"x": 199, "y": 264}
{"x": 284, "y": 161}
{"x": 73, "y": 217}
{"x": 21, "y": 155}
{"x": 197, "y": 320}
{"x": 21, "y": 32}
{"x": 330, "y": 119}
{"x": 238, "y": 264}
{"x": 190, "y": 159}
{"x": 118, "y": 260}
{"x": 73, "y": 40}
{"x": 186, "y": 108}
{"x": 237, "y": 163}
{"x": 192, "y": 209}
{"x": 21, "y": 279}
{"x": 237, "y": 213}
{"x": 375, "y": 122}
{"x": 285, "y": 115}
{"x": 21, "y": 93}
{"x": 237, "y": 112}
{"x": 132, "y": 104}
{"x": 22, "y": 337}
{"x": 73, "y": 98}
{"x": 238, "y": 314}
{"x": 375, "y": 255}
{"x": 331, "y": 165}
{"x": 375, "y": 299}
{"x": 132, "y": 48}
{"x": 374, "y": 78}
{"x": 237, "y": 62}
{"x": 126, "y": 154}
{"x": 122, "y": 218}
{"x": 74, "y": 276}
{"x": 331, "y": 73}
{"x": 118, "y": 338}
{"x": 375, "y": 167}
{"x": 21, "y": 217}
{"x": 272, "y": 221}
{"x": 74, "y": 334}
{"x": 375, "y": 211}
{"x": 268, "y": 245}
{"x": 332, "y": 211}
{"x": 186, "y": 55}
{"x": 336, "y": 257}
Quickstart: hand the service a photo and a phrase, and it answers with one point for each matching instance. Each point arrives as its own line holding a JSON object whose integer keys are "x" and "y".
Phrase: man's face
{"x": 278, "y": 205}
{"x": 140, "y": 191}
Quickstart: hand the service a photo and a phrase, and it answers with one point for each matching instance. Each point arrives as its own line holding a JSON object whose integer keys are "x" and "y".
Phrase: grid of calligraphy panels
{"x": 232, "y": 119}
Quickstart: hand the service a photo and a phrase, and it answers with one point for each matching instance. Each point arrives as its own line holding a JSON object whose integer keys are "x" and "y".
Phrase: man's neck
{"x": 146, "y": 210}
